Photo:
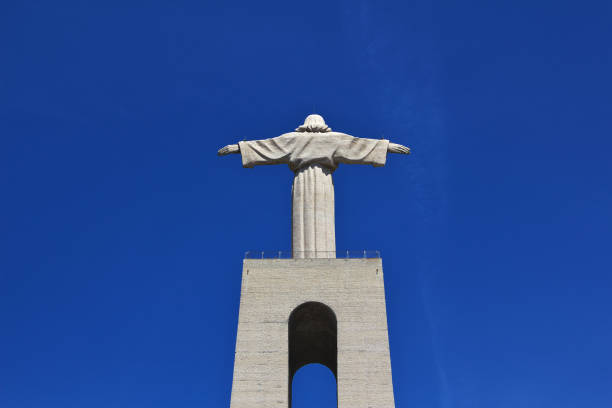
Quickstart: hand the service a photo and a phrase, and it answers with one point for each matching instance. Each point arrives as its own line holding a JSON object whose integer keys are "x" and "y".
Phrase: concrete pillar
{"x": 272, "y": 289}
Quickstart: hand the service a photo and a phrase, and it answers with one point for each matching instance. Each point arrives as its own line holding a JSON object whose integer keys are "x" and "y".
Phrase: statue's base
{"x": 299, "y": 311}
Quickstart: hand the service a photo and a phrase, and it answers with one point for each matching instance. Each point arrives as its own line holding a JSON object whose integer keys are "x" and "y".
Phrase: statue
{"x": 313, "y": 152}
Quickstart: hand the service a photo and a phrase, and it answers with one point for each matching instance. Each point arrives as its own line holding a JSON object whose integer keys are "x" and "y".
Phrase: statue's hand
{"x": 398, "y": 148}
{"x": 229, "y": 149}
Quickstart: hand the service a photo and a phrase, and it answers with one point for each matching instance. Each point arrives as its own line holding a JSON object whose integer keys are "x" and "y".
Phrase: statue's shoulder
{"x": 290, "y": 134}
{"x": 339, "y": 135}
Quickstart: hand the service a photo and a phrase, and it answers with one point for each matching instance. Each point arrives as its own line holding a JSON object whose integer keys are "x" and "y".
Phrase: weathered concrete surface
{"x": 272, "y": 289}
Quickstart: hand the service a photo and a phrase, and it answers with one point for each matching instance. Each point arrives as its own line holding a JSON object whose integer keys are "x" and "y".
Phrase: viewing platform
{"x": 347, "y": 254}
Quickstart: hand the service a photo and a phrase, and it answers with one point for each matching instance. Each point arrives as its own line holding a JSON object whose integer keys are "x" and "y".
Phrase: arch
{"x": 313, "y": 338}
{"x": 314, "y": 385}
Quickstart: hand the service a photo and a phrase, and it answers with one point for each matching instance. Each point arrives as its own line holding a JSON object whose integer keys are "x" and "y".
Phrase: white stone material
{"x": 313, "y": 152}
{"x": 272, "y": 289}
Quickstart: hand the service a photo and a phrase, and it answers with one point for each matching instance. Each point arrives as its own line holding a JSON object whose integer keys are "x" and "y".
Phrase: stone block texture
{"x": 272, "y": 289}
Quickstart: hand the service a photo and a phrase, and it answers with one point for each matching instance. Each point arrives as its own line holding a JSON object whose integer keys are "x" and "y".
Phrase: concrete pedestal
{"x": 347, "y": 308}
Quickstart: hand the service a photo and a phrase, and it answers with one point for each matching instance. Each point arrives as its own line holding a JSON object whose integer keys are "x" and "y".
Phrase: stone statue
{"x": 313, "y": 152}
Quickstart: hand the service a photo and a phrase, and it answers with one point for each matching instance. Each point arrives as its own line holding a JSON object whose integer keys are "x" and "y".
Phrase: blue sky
{"x": 122, "y": 232}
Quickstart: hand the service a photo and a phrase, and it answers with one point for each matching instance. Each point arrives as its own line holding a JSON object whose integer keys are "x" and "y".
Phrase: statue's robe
{"x": 313, "y": 157}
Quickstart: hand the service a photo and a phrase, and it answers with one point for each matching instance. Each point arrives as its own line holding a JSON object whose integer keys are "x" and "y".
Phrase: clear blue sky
{"x": 122, "y": 233}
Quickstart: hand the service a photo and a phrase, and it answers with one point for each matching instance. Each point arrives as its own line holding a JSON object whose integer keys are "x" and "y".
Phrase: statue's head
{"x": 314, "y": 123}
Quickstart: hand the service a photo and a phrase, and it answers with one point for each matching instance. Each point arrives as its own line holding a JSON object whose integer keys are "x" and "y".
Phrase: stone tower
{"x": 313, "y": 307}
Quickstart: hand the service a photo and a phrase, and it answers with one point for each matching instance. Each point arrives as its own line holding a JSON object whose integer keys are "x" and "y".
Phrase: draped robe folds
{"x": 313, "y": 157}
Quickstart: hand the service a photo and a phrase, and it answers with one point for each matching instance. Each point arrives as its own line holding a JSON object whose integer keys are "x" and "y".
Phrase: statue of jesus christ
{"x": 313, "y": 152}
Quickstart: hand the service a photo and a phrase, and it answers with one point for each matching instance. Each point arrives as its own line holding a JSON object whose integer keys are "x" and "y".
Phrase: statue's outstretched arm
{"x": 229, "y": 149}
{"x": 398, "y": 148}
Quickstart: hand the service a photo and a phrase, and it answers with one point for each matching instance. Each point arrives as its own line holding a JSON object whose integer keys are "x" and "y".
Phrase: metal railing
{"x": 367, "y": 254}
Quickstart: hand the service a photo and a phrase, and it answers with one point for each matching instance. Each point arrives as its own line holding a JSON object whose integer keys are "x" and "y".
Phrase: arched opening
{"x": 314, "y": 385}
{"x": 313, "y": 338}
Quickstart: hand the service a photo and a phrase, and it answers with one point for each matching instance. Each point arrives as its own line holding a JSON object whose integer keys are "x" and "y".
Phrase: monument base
{"x": 299, "y": 311}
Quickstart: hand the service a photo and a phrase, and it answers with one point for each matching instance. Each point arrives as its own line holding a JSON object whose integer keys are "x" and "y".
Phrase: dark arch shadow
{"x": 313, "y": 338}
